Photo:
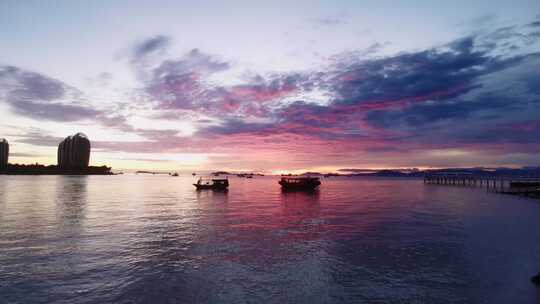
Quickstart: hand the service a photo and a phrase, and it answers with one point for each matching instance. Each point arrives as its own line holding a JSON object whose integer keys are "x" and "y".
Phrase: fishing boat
{"x": 303, "y": 183}
{"x": 212, "y": 184}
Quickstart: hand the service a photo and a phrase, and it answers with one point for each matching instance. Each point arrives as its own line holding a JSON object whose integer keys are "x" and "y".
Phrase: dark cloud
{"x": 372, "y": 49}
{"x": 179, "y": 84}
{"x": 300, "y": 118}
{"x": 182, "y": 85}
{"x": 194, "y": 61}
{"x": 440, "y": 73}
{"x": 51, "y": 111}
{"x": 31, "y": 85}
{"x": 533, "y": 85}
{"x": 38, "y": 138}
{"x": 37, "y": 96}
{"x": 300, "y": 114}
{"x": 508, "y": 39}
{"x": 419, "y": 115}
{"x": 525, "y": 133}
{"x": 151, "y": 45}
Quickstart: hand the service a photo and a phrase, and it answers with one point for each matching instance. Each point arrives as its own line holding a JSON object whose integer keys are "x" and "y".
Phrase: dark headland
{"x": 73, "y": 159}
{"x": 38, "y": 169}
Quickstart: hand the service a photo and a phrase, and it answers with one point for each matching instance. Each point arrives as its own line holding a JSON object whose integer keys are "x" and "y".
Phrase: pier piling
{"x": 500, "y": 184}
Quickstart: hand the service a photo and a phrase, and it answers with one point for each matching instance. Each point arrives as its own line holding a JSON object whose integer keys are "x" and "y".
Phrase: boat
{"x": 212, "y": 184}
{"x": 303, "y": 183}
{"x": 193, "y": 173}
{"x": 175, "y": 174}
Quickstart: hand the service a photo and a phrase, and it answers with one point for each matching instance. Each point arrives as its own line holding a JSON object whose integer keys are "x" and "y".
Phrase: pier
{"x": 517, "y": 185}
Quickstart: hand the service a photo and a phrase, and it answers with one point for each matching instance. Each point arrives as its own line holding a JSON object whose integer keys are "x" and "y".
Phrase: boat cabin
{"x": 299, "y": 183}
{"x": 212, "y": 183}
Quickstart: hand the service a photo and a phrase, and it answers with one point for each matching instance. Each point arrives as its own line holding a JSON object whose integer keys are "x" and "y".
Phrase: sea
{"x": 155, "y": 239}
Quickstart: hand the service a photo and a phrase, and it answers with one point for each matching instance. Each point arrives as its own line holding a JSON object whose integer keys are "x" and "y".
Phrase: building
{"x": 74, "y": 152}
{"x": 4, "y": 152}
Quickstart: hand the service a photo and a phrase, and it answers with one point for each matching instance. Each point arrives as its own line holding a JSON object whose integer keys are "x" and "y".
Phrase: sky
{"x": 278, "y": 86}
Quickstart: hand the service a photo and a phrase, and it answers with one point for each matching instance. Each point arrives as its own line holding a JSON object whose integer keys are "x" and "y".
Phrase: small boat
{"x": 212, "y": 184}
{"x": 299, "y": 183}
{"x": 175, "y": 174}
{"x": 193, "y": 173}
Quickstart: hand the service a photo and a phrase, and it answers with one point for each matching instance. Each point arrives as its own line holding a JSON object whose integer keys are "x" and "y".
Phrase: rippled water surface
{"x": 154, "y": 239}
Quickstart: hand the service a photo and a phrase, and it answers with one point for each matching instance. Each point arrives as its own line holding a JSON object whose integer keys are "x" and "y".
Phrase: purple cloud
{"x": 151, "y": 45}
{"x": 368, "y": 105}
{"x": 38, "y": 96}
{"x": 179, "y": 84}
{"x": 402, "y": 99}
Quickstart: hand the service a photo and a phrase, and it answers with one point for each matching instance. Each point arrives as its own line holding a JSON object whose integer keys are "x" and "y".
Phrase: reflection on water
{"x": 142, "y": 239}
{"x": 300, "y": 203}
{"x": 212, "y": 195}
{"x": 71, "y": 199}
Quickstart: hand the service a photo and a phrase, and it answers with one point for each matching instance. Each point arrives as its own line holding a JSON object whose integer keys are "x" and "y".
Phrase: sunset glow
{"x": 319, "y": 86}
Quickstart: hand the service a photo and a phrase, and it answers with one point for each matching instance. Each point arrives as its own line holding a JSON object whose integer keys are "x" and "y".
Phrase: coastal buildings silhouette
{"x": 4, "y": 152}
{"x": 73, "y": 159}
{"x": 74, "y": 152}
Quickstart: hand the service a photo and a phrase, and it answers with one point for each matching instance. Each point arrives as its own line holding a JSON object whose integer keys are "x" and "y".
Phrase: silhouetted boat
{"x": 299, "y": 183}
{"x": 212, "y": 184}
{"x": 174, "y": 174}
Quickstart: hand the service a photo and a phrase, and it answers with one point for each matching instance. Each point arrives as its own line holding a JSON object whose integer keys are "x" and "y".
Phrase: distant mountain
{"x": 311, "y": 174}
{"x": 530, "y": 171}
{"x": 221, "y": 173}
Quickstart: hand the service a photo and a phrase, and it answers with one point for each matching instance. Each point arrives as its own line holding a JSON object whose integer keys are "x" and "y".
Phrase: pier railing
{"x": 524, "y": 185}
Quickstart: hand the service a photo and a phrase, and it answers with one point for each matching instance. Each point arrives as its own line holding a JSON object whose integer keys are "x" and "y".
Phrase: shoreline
{"x": 36, "y": 169}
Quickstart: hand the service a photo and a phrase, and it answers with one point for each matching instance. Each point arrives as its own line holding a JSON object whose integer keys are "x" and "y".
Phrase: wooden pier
{"x": 517, "y": 185}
